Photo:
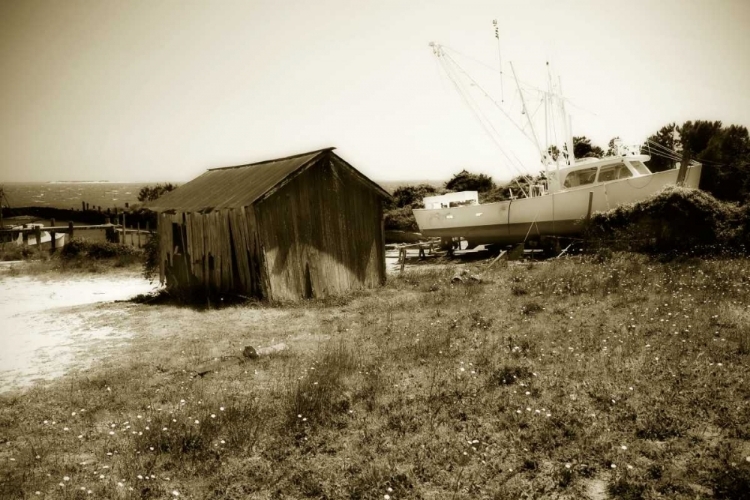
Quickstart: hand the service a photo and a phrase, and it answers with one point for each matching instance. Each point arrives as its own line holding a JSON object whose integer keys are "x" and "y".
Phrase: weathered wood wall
{"x": 316, "y": 235}
{"x": 217, "y": 251}
{"x": 322, "y": 234}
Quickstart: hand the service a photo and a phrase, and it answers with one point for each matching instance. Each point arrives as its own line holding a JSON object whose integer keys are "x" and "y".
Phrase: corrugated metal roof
{"x": 232, "y": 187}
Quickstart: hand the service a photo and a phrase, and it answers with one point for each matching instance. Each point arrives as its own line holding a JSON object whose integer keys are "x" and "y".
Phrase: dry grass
{"x": 541, "y": 381}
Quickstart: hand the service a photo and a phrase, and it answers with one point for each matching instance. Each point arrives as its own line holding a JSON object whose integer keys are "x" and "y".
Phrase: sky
{"x": 149, "y": 91}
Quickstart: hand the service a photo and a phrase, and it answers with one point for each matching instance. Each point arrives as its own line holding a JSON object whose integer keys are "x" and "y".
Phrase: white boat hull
{"x": 46, "y": 239}
{"x": 556, "y": 214}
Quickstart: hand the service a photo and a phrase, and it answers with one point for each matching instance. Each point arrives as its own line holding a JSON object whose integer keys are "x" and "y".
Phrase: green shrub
{"x": 401, "y": 219}
{"x": 151, "y": 254}
{"x": 13, "y": 251}
{"x": 78, "y": 248}
{"x": 675, "y": 221}
{"x": 411, "y": 196}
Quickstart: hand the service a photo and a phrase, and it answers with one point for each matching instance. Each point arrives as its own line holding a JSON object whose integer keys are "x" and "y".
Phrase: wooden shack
{"x": 303, "y": 226}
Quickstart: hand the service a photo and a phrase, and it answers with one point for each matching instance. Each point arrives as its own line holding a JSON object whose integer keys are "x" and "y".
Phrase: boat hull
{"x": 557, "y": 214}
{"x": 46, "y": 240}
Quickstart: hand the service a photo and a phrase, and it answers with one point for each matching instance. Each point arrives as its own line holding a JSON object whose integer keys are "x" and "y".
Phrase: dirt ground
{"x": 55, "y": 323}
{"x": 50, "y": 323}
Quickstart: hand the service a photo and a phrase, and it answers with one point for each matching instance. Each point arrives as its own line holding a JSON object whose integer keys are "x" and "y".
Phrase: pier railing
{"x": 118, "y": 233}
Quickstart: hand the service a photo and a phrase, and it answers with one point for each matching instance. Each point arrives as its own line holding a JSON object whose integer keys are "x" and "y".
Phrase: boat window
{"x": 614, "y": 172}
{"x": 640, "y": 167}
{"x": 580, "y": 177}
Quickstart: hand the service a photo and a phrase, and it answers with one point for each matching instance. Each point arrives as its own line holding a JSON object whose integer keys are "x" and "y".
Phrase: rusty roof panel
{"x": 232, "y": 187}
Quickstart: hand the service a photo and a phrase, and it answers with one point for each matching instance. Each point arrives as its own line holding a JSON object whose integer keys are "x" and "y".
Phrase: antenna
{"x": 499, "y": 60}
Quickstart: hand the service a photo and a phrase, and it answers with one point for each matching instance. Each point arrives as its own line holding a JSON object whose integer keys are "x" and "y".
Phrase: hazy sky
{"x": 161, "y": 90}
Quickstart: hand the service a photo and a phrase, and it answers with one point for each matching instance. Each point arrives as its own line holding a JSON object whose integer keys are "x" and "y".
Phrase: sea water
{"x": 71, "y": 194}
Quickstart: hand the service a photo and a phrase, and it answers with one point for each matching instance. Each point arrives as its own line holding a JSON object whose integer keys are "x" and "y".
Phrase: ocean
{"x": 71, "y": 194}
{"x": 102, "y": 194}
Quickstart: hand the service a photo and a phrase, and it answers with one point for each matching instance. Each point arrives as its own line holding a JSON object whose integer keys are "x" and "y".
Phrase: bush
{"x": 401, "y": 219}
{"x": 151, "y": 253}
{"x": 411, "y": 196}
{"x": 466, "y": 181}
{"x": 675, "y": 221}
{"x": 78, "y": 248}
{"x": 13, "y": 251}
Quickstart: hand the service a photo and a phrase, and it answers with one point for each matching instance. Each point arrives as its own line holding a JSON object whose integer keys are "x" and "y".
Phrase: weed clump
{"x": 627, "y": 489}
{"x": 509, "y": 375}
{"x": 320, "y": 397}
{"x": 659, "y": 425}
{"x": 13, "y": 251}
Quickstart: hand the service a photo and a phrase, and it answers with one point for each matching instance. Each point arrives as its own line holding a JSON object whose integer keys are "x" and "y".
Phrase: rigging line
{"x": 665, "y": 152}
{"x": 489, "y": 97}
{"x": 661, "y": 146}
{"x": 494, "y": 139}
{"x": 537, "y": 109}
{"x": 494, "y": 70}
{"x": 476, "y": 109}
{"x": 677, "y": 158}
{"x": 477, "y": 112}
{"x": 520, "y": 169}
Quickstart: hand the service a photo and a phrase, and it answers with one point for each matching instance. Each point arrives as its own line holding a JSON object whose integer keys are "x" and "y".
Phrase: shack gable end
{"x": 321, "y": 233}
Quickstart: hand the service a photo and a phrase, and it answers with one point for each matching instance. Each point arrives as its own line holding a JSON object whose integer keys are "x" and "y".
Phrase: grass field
{"x": 575, "y": 378}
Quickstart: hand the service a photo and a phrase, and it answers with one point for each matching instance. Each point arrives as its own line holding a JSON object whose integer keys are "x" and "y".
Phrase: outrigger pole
{"x": 526, "y": 112}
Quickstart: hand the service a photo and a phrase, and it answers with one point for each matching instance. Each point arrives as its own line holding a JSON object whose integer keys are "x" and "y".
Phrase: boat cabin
{"x": 592, "y": 171}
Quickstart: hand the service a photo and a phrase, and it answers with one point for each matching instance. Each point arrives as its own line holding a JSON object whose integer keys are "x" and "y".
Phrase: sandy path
{"x": 50, "y": 323}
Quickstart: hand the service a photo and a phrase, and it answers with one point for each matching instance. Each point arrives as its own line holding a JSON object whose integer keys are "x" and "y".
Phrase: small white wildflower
{"x": 175, "y": 493}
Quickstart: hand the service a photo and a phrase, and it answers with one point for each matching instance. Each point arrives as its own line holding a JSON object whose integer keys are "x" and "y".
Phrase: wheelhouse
{"x": 590, "y": 172}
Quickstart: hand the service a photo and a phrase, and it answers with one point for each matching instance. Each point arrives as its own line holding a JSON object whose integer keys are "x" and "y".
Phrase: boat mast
{"x": 568, "y": 125}
{"x": 550, "y": 103}
{"x": 528, "y": 118}
{"x": 499, "y": 60}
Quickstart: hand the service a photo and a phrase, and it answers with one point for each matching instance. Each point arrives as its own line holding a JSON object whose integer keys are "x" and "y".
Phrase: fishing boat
{"x": 552, "y": 208}
{"x": 567, "y": 191}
